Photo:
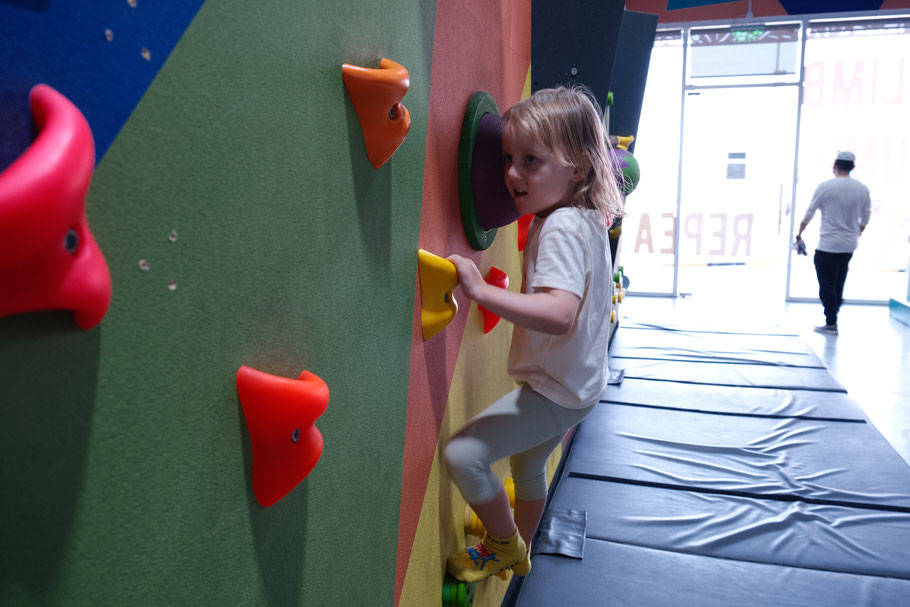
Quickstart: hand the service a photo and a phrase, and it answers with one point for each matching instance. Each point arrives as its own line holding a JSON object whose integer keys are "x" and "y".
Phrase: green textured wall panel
{"x": 126, "y": 460}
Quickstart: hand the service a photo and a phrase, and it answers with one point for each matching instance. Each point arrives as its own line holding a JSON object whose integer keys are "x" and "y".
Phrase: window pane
{"x": 736, "y": 192}
{"x": 648, "y": 227}
{"x": 739, "y": 55}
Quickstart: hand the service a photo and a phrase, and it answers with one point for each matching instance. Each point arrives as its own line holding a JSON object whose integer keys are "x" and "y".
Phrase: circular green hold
{"x": 631, "y": 175}
{"x": 456, "y": 593}
{"x": 481, "y": 103}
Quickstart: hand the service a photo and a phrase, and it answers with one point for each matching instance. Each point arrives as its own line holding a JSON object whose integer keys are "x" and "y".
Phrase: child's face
{"x": 537, "y": 181}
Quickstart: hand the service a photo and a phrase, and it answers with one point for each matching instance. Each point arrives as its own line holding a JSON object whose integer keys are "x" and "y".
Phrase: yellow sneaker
{"x": 489, "y": 557}
{"x": 524, "y": 567}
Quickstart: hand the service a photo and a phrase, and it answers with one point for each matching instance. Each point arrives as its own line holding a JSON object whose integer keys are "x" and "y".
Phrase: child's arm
{"x": 548, "y": 311}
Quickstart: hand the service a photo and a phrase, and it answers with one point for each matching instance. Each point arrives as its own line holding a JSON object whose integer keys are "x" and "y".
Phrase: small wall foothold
{"x": 49, "y": 259}
{"x": 625, "y": 142}
{"x": 438, "y": 278}
{"x": 524, "y": 222}
{"x": 280, "y": 415}
{"x": 484, "y": 199}
{"x": 497, "y": 278}
{"x": 376, "y": 96}
{"x": 456, "y": 593}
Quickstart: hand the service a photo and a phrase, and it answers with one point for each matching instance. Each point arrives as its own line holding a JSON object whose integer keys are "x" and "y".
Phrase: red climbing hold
{"x": 497, "y": 278}
{"x": 524, "y": 222}
{"x": 49, "y": 259}
{"x": 280, "y": 414}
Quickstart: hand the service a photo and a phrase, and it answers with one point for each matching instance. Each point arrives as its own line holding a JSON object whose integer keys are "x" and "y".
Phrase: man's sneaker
{"x": 827, "y": 329}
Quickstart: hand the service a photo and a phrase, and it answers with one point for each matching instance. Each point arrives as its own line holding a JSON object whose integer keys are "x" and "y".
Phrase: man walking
{"x": 845, "y": 206}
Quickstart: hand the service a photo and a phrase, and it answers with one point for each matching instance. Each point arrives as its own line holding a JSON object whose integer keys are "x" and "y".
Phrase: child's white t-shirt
{"x": 568, "y": 250}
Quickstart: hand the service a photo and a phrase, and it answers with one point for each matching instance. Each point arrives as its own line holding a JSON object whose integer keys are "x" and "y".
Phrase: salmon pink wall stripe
{"x": 478, "y": 46}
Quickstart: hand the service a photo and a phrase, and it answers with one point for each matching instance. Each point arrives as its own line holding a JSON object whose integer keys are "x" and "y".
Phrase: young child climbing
{"x": 558, "y": 168}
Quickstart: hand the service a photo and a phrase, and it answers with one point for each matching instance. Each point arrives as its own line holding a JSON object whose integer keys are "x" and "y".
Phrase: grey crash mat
{"x": 796, "y": 534}
{"x": 618, "y": 574}
{"x": 771, "y": 402}
{"x": 714, "y": 347}
{"x": 837, "y": 462}
{"x": 729, "y": 374}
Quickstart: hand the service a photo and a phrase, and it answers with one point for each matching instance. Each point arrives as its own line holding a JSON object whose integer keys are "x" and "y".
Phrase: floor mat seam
{"x": 776, "y": 497}
{"x": 645, "y": 327}
{"x": 767, "y": 387}
{"x": 735, "y": 414}
{"x": 725, "y": 361}
{"x": 740, "y": 560}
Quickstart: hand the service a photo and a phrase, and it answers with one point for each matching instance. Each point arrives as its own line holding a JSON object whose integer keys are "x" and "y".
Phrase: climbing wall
{"x": 242, "y": 224}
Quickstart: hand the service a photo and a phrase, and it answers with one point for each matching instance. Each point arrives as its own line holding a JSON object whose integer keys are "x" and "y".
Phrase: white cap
{"x": 848, "y": 156}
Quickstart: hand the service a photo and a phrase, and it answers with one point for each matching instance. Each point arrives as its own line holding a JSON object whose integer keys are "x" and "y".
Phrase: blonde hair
{"x": 568, "y": 122}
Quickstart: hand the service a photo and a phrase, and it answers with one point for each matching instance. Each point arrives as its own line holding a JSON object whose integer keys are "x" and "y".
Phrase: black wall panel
{"x": 630, "y": 72}
{"x": 575, "y": 41}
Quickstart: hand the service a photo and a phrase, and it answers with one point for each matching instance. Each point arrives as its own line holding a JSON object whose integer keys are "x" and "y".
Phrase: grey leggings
{"x": 522, "y": 424}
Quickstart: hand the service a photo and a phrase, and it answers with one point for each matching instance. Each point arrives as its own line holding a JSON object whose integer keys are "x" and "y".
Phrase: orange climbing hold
{"x": 497, "y": 278}
{"x": 49, "y": 259}
{"x": 280, "y": 414}
{"x": 376, "y": 95}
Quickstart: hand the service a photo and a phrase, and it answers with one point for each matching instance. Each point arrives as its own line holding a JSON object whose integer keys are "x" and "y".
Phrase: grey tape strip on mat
{"x": 561, "y": 532}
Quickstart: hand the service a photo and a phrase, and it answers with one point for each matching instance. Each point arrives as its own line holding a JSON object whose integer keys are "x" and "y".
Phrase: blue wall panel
{"x": 64, "y": 44}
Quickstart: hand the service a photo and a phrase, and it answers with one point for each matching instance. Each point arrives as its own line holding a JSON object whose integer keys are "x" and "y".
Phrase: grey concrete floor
{"x": 870, "y": 356}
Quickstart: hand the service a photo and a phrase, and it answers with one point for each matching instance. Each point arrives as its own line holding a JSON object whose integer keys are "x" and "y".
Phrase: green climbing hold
{"x": 456, "y": 593}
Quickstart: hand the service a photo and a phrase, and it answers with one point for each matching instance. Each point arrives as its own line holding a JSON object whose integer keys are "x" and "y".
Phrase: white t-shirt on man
{"x": 845, "y": 205}
{"x": 568, "y": 250}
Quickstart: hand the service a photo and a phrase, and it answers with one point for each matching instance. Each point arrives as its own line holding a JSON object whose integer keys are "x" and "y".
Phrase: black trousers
{"x": 831, "y": 269}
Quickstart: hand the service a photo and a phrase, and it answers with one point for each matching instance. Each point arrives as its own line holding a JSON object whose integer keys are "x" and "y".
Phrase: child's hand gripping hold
{"x": 550, "y": 311}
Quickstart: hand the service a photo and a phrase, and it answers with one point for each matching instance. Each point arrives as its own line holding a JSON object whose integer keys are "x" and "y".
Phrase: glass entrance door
{"x": 736, "y": 193}
{"x": 855, "y": 98}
